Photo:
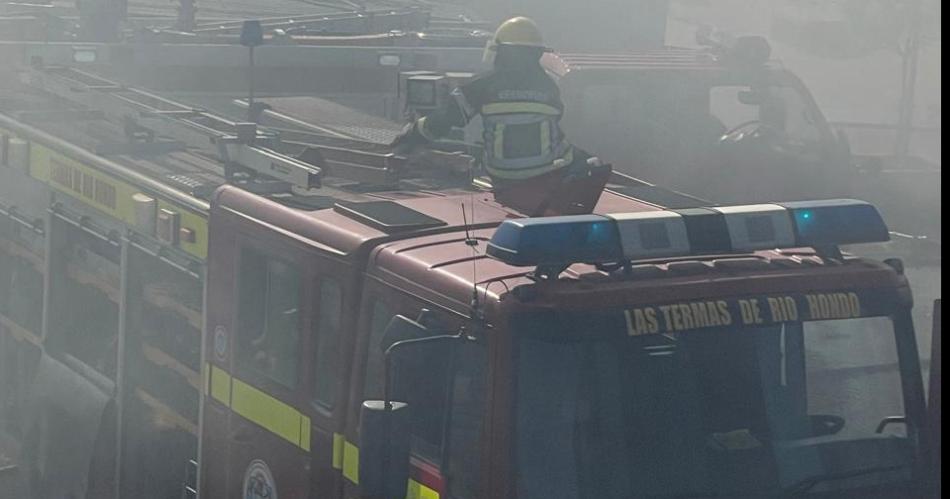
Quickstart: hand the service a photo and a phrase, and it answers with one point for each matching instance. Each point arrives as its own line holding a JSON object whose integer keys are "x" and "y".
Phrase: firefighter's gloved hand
{"x": 577, "y": 170}
{"x": 405, "y": 142}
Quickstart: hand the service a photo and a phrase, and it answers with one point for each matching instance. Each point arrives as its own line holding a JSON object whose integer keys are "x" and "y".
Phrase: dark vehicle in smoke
{"x": 723, "y": 125}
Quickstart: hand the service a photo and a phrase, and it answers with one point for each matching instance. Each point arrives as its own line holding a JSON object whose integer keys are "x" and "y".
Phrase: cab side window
{"x": 327, "y": 358}
{"x": 373, "y": 381}
{"x": 269, "y": 317}
{"x": 421, "y": 380}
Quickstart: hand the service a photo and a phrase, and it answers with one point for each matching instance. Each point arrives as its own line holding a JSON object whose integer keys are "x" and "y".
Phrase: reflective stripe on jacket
{"x": 522, "y": 139}
{"x": 521, "y": 112}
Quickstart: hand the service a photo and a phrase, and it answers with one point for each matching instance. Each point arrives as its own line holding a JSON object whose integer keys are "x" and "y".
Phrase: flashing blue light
{"x": 836, "y": 221}
{"x": 556, "y": 241}
{"x": 623, "y": 237}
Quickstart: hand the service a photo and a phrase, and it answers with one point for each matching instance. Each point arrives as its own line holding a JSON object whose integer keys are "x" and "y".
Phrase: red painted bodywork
{"x": 435, "y": 266}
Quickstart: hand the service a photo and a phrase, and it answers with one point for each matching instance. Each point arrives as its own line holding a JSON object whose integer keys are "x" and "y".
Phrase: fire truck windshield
{"x": 712, "y": 412}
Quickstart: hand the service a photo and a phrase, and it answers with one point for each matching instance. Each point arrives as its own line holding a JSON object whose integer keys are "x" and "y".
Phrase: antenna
{"x": 472, "y": 243}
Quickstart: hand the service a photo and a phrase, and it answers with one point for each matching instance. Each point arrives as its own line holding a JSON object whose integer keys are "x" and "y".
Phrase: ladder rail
{"x": 241, "y": 145}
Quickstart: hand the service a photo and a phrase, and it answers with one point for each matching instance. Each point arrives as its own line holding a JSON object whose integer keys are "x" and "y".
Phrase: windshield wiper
{"x": 805, "y": 485}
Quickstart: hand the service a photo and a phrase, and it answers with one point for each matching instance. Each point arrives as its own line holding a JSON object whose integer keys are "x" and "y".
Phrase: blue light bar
{"x": 758, "y": 226}
{"x": 556, "y": 241}
{"x": 836, "y": 221}
{"x": 652, "y": 234}
{"x": 614, "y": 238}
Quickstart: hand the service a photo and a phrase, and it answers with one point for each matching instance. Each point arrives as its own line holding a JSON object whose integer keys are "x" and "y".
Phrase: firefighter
{"x": 520, "y": 106}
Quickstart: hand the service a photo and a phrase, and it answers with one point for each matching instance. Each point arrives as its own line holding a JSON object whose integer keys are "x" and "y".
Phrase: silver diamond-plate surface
{"x": 336, "y": 117}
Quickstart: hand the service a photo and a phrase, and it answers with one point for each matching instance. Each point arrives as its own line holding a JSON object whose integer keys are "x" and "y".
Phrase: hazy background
{"x": 857, "y": 82}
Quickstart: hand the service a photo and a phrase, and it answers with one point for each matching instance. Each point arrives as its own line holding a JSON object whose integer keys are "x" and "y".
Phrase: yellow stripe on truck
{"x": 220, "y": 385}
{"x": 260, "y": 408}
{"x": 291, "y": 425}
{"x": 338, "y": 441}
{"x": 418, "y": 491}
{"x": 270, "y": 413}
{"x": 351, "y": 469}
{"x": 351, "y": 462}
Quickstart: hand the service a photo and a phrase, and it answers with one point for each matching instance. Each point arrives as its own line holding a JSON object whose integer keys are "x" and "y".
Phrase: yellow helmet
{"x": 520, "y": 31}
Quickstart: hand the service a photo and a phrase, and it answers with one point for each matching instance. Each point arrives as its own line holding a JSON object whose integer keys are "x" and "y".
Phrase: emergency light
{"x": 613, "y": 238}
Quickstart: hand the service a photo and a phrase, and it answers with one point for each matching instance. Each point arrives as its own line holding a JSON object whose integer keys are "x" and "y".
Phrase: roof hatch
{"x": 387, "y": 216}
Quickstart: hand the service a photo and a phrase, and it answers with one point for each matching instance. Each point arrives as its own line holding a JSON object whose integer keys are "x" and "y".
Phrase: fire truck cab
{"x": 638, "y": 351}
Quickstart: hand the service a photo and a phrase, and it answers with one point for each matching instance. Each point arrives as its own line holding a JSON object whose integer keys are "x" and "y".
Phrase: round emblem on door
{"x": 220, "y": 343}
{"x": 258, "y": 481}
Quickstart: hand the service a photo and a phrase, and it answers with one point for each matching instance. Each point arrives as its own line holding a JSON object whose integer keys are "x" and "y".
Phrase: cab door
{"x": 328, "y": 350}
{"x": 268, "y": 430}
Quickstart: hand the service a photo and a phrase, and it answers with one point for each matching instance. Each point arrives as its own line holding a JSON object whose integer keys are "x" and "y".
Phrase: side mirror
{"x": 384, "y": 449}
{"x": 385, "y": 426}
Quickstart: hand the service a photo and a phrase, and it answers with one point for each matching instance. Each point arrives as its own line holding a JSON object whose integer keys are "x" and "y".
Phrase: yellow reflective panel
{"x": 108, "y": 194}
{"x": 220, "y": 385}
{"x": 93, "y": 187}
{"x": 545, "y": 137}
{"x": 274, "y": 415}
{"x": 351, "y": 468}
{"x": 519, "y": 108}
{"x": 499, "y": 141}
{"x": 351, "y": 462}
{"x": 338, "y": 441}
{"x": 416, "y": 490}
{"x": 304, "y": 433}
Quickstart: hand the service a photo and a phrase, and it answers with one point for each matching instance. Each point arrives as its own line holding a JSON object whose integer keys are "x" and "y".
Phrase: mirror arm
{"x": 888, "y": 420}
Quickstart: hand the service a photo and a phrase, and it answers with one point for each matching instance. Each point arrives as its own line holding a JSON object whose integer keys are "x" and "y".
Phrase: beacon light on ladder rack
{"x": 552, "y": 241}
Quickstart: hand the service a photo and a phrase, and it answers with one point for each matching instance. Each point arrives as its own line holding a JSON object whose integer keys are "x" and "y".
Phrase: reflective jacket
{"x": 521, "y": 111}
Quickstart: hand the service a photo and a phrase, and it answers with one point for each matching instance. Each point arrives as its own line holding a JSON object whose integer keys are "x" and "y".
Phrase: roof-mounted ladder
{"x": 297, "y": 157}
{"x": 236, "y": 144}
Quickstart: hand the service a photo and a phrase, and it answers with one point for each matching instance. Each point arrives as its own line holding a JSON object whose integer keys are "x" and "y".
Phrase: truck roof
{"x": 344, "y": 229}
{"x": 433, "y": 261}
{"x": 410, "y": 235}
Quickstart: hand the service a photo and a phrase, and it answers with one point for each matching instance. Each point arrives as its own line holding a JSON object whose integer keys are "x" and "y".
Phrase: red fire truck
{"x": 196, "y": 306}
{"x": 679, "y": 361}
